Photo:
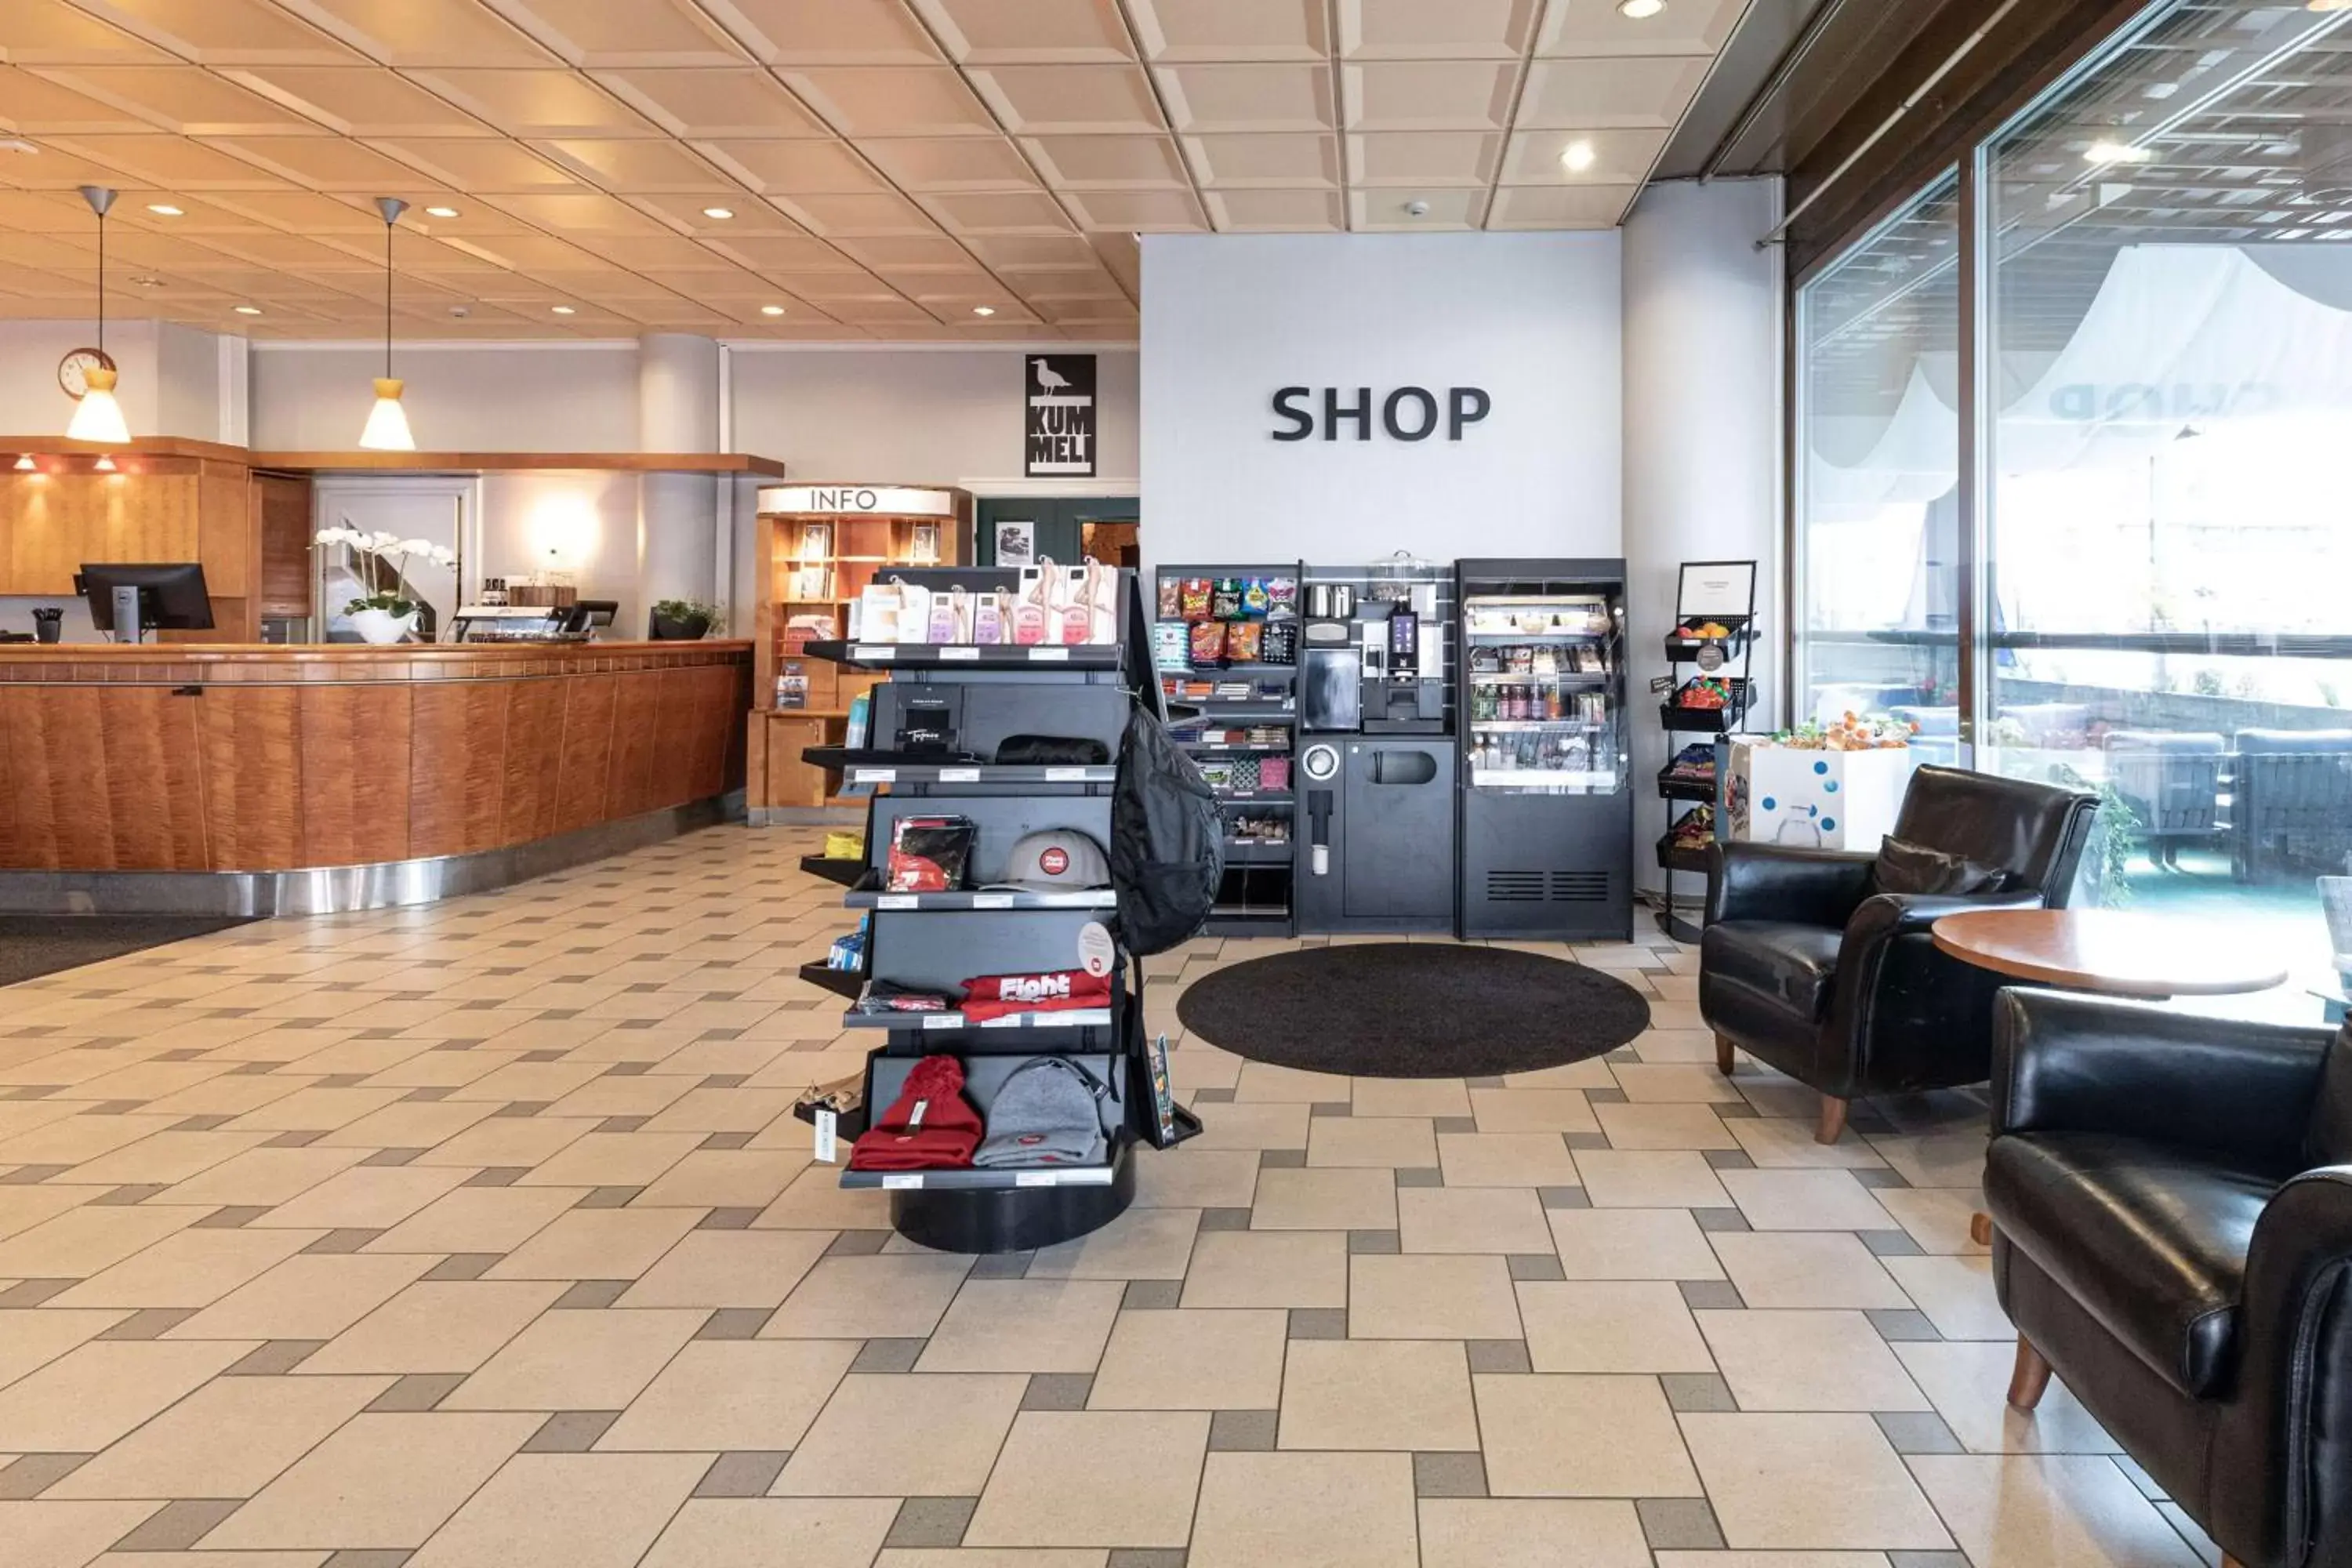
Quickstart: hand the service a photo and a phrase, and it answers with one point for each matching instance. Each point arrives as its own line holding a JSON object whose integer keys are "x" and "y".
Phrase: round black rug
{"x": 1396, "y": 1009}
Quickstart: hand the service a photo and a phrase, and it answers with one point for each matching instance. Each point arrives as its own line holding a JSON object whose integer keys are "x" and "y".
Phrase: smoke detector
{"x": 1416, "y": 209}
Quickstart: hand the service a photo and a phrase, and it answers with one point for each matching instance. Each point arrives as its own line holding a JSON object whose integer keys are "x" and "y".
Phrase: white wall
{"x": 1703, "y": 435}
{"x": 31, "y": 402}
{"x": 1533, "y": 318}
{"x": 580, "y": 522}
{"x": 919, "y": 415}
{"x": 498, "y": 397}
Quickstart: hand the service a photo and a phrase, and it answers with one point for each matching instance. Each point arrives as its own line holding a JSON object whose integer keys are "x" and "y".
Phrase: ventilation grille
{"x": 1580, "y": 887}
{"x": 1547, "y": 887}
{"x": 1514, "y": 887}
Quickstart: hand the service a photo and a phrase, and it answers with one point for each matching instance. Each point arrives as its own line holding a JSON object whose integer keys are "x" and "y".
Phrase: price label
{"x": 1006, "y": 1021}
{"x": 943, "y": 1020}
{"x": 902, "y": 1181}
{"x": 870, "y": 653}
{"x": 958, "y": 651}
{"x": 959, "y": 776}
{"x": 991, "y": 900}
{"x": 1038, "y": 1179}
{"x": 874, "y": 775}
{"x": 1049, "y": 655}
{"x": 827, "y": 1128}
{"x": 899, "y": 901}
{"x": 1066, "y": 776}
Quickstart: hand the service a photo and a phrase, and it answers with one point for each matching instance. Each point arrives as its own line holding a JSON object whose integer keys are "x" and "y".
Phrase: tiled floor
{"x": 480, "y": 1237}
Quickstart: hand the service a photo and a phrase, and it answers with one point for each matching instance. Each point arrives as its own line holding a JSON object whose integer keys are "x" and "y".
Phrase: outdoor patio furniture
{"x": 2172, "y": 785}
{"x": 2291, "y": 784}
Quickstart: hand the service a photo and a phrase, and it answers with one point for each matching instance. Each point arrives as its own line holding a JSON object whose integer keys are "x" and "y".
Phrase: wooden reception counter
{"x": 298, "y": 779}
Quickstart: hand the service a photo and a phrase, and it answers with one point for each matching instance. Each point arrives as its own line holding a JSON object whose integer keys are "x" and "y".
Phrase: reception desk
{"x": 304, "y": 779}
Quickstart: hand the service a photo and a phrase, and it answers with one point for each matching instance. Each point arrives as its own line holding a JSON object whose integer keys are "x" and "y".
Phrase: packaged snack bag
{"x": 1225, "y": 599}
{"x": 1258, "y": 602}
{"x": 1208, "y": 643}
{"x": 1171, "y": 599}
{"x": 1242, "y": 640}
{"x": 1196, "y": 598}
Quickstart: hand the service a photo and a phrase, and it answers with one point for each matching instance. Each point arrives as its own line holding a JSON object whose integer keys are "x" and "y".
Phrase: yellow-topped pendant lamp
{"x": 387, "y": 422}
{"x": 98, "y": 417}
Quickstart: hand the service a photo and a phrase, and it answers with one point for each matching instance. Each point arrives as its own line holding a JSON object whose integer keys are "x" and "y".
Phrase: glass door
{"x": 1544, "y": 687}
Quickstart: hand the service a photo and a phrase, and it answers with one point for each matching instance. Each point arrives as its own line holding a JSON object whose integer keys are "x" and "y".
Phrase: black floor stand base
{"x": 1675, "y": 926}
{"x": 1015, "y": 1219}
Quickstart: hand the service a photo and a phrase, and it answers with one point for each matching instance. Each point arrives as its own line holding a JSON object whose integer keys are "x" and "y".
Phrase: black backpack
{"x": 1167, "y": 841}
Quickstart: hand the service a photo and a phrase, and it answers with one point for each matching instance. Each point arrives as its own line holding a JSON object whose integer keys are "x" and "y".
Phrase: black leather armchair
{"x": 1804, "y": 966}
{"x": 2171, "y": 1201}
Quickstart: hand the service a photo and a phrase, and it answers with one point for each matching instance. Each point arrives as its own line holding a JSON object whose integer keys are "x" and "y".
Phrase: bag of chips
{"x": 1242, "y": 640}
{"x": 1257, "y": 603}
{"x": 1208, "y": 643}
{"x": 1171, "y": 599}
{"x": 1225, "y": 599}
{"x": 1282, "y": 595}
{"x": 1194, "y": 598}
{"x": 1278, "y": 643}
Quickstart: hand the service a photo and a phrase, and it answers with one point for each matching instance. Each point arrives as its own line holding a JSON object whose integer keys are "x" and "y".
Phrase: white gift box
{"x": 1816, "y": 800}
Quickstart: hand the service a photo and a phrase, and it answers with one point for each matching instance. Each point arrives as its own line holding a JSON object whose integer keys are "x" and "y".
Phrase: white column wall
{"x": 1703, "y": 438}
{"x": 678, "y": 411}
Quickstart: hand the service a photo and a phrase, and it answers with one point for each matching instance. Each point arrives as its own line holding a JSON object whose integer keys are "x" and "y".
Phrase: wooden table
{"x": 2112, "y": 952}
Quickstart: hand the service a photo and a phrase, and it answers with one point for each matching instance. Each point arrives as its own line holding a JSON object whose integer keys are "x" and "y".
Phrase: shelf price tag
{"x": 874, "y": 775}
{"x": 902, "y": 1181}
{"x": 871, "y": 653}
{"x": 958, "y": 651}
{"x": 943, "y": 1020}
{"x": 1037, "y": 1178}
{"x": 827, "y": 1124}
{"x": 1049, "y": 655}
{"x": 991, "y": 900}
{"x": 1066, "y": 776}
{"x": 899, "y": 901}
{"x": 959, "y": 776}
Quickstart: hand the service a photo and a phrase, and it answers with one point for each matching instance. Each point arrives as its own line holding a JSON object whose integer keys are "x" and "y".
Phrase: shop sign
{"x": 1408, "y": 413}
{"x": 834, "y": 500}
{"x": 1059, "y": 438}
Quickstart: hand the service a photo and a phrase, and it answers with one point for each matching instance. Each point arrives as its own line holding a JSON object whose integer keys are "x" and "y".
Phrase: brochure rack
{"x": 1710, "y": 593}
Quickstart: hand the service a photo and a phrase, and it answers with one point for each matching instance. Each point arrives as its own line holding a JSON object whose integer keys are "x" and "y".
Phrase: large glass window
{"x": 1878, "y": 476}
{"x": 2168, "y": 534}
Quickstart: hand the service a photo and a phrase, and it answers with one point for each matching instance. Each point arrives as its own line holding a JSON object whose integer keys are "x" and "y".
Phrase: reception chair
{"x": 1806, "y": 966}
{"x": 2171, "y": 1200}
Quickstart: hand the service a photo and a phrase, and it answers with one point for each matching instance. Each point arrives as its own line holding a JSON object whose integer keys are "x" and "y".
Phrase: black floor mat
{"x": 1414, "y": 1010}
{"x": 34, "y": 945}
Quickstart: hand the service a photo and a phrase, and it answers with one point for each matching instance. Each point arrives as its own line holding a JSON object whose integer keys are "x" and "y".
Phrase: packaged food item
{"x": 929, "y": 854}
{"x": 1171, "y": 599}
{"x": 1257, "y": 603}
{"x": 1195, "y": 597}
{"x": 987, "y": 620}
{"x": 1242, "y": 640}
{"x": 1216, "y": 774}
{"x": 1170, "y": 646}
{"x": 1225, "y": 599}
{"x": 1208, "y": 643}
{"x": 1273, "y": 775}
{"x": 1278, "y": 643}
{"x": 1282, "y": 595}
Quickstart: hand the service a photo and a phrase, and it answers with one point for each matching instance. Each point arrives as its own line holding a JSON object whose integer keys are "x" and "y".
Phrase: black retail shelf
{"x": 1066, "y": 1018}
{"x": 1250, "y": 921}
{"x": 1234, "y": 748}
{"x": 836, "y": 758}
{"x": 1674, "y": 858}
{"x": 847, "y": 983}
{"x": 981, "y": 898}
{"x": 1239, "y": 711}
{"x": 1203, "y": 671}
{"x": 1703, "y": 720}
{"x": 965, "y": 656}
{"x": 1278, "y": 797}
{"x": 970, "y": 1181}
{"x": 1674, "y": 788}
{"x": 1254, "y": 854}
{"x": 845, "y": 871}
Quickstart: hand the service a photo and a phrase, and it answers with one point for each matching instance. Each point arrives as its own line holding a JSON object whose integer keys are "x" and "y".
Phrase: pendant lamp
{"x": 98, "y": 417}
{"x": 387, "y": 422}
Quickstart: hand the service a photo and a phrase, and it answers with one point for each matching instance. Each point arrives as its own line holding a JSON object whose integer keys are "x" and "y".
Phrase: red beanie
{"x": 930, "y": 1126}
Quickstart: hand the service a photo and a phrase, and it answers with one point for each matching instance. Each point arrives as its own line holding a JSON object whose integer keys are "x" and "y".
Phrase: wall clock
{"x": 73, "y": 371}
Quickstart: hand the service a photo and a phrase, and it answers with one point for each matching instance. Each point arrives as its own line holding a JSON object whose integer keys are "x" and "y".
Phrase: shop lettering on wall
{"x": 1059, "y": 437}
{"x": 1408, "y": 413}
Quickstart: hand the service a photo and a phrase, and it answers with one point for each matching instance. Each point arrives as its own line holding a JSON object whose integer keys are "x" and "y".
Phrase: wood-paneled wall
{"x": 250, "y": 759}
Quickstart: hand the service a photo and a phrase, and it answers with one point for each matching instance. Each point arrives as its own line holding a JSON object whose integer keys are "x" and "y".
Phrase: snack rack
{"x": 1238, "y": 717}
{"x": 1709, "y": 595}
{"x": 936, "y": 941}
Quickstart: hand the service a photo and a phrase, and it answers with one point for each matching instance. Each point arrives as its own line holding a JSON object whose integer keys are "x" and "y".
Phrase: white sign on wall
{"x": 833, "y": 500}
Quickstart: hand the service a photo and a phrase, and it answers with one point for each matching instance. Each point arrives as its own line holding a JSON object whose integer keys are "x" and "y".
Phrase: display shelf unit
{"x": 832, "y": 868}
{"x": 1256, "y": 897}
{"x": 937, "y": 941}
{"x": 840, "y": 981}
{"x": 1707, "y": 593}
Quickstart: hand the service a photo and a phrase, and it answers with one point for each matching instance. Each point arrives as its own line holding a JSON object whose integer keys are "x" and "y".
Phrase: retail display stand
{"x": 979, "y": 698}
{"x": 1711, "y": 596}
{"x": 1239, "y": 719}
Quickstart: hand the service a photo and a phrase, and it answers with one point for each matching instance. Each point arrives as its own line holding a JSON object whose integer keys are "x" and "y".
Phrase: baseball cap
{"x": 1056, "y": 860}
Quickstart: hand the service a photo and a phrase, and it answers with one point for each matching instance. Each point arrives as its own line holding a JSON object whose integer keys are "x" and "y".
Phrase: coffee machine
{"x": 1404, "y": 670}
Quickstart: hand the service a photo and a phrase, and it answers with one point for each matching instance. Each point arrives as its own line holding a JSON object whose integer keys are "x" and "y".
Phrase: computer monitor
{"x": 171, "y": 596}
{"x": 590, "y": 617}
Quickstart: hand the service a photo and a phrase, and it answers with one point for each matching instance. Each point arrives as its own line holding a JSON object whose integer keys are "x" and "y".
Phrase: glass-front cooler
{"x": 1547, "y": 803}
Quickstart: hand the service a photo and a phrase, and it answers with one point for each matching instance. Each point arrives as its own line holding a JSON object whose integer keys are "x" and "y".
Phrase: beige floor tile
{"x": 227, "y": 1439}
{"x": 86, "y": 1241}
{"x": 720, "y": 1178}
{"x": 1806, "y": 1268}
{"x": 305, "y": 1297}
{"x": 1407, "y": 1394}
{"x": 1431, "y": 1298}
{"x": 1551, "y": 1435}
{"x": 375, "y": 1197}
{"x": 1305, "y": 1511}
{"x": 63, "y": 1534}
{"x": 577, "y": 1361}
{"x": 817, "y": 1201}
{"x": 437, "y": 1326}
{"x": 597, "y": 1244}
{"x": 94, "y": 1393}
{"x": 1807, "y": 1361}
{"x": 1532, "y": 1110}
{"x": 1411, "y": 1097}
{"x": 1663, "y": 1127}
{"x": 648, "y": 1094}
{"x": 1956, "y": 1293}
{"x": 1311, "y": 1199}
{"x": 1196, "y": 1064}
{"x": 165, "y": 1156}
{"x": 262, "y": 1177}
{"x": 1533, "y": 1532}
{"x": 733, "y": 1395}
{"x": 74, "y": 1139}
{"x": 313, "y": 1559}
{"x": 1772, "y": 1560}
{"x": 1673, "y": 1083}
{"x": 191, "y": 1269}
{"x": 1788, "y": 1145}
{"x": 1190, "y": 1359}
{"x": 1184, "y": 1177}
{"x": 1630, "y": 1326}
{"x": 1650, "y": 1179}
{"x": 414, "y": 1124}
{"x": 1763, "y": 1475}
{"x": 706, "y": 1111}
{"x": 1948, "y": 1157}
{"x": 1675, "y": 1045}
{"x": 1505, "y": 1160}
{"x": 1806, "y": 1200}
{"x": 898, "y": 1297}
{"x": 23, "y": 1206}
{"x": 1591, "y": 1073}
{"x": 479, "y": 1219}
{"x": 1472, "y": 1219}
{"x": 1969, "y": 1383}
{"x": 317, "y": 1110}
{"x": 613, "y": 1159}
{"x": 565, "y": 1510}
{"x": 1094, "y": 1477}
{"x": 859, "y": 1447}
{"x": 728, "y": 1268}
{"x": 1256, "y": 1126}
{"x": 1939, "y": 1218}
{"x": 744, "y": 1532}
{"x": 511, "y": 1140}
{"x": 1262, "y": 1082}
{"x": 532, "y": 1080}
{"x": 35, "y": 1338}
{"x": 1631, "y": 1243}
{"x": 2051, "y": 1510}
{"x": 1380, "y": 1143}
{"x": 1268, "y": 1269}
{"x": 1007, "y": 1557}
{"x": 1141, "y": 1244}
{"x": 1024, "y": 1325}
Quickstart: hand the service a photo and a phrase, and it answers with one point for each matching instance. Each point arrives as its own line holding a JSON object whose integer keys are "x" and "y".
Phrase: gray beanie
{"x": 1045, "y": 1112}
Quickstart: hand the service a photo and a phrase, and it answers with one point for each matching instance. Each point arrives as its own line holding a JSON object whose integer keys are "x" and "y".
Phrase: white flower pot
{"x": 382, "y": 627}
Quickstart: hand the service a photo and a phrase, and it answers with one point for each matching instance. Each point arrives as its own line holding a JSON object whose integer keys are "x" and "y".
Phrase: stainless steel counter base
{"x": 338, "y": 890}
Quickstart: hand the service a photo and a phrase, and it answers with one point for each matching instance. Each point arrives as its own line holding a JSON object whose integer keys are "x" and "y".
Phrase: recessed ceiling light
{"x": 1640, "y": 10}
{"x": 1577, "y": 157}
{"x": 983, "y": 309}
{"x": 718, "y": 211}
{"x": 147, "y": 282}
{"x": 246, "y": 309}
{"x": 164, "y": 209}
{"x": 771, "y": 310}
{"x": 563, "y": 309}
{"x": 16, "y": 144}
{"x": 2105, "y": 153}
{"x": 440, "y": 212}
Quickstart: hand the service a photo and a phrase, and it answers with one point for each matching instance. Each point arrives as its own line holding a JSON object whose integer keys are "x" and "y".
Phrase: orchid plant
{"x": 382, "y": 567}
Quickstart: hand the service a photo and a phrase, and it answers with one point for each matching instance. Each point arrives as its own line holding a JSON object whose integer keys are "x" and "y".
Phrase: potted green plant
{"x": 686, "y": 620}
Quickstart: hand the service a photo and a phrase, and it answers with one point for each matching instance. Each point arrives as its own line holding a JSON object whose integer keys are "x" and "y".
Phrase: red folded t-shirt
{"x": 930, "y": 1126}
{"x": 1052, "y": 991}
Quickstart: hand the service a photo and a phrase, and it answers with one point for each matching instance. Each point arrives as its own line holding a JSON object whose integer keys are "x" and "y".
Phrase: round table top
{"x": 2117, "y": 953}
